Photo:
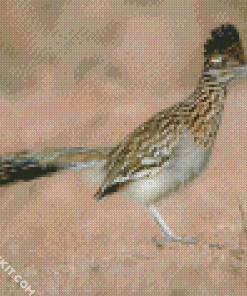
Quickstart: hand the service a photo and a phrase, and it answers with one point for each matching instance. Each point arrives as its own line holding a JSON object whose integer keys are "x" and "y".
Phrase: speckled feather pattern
{"x": 153, "y": 146}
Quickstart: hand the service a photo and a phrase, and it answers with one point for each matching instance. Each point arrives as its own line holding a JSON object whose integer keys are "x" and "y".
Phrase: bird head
{"x": 224, "y": 55}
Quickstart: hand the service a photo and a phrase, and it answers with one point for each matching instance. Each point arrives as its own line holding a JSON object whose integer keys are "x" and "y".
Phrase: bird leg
{"x": 168, "y": 235}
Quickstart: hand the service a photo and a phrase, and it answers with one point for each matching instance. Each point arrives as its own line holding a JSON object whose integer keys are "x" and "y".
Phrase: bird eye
{"x": 217, "y": 60}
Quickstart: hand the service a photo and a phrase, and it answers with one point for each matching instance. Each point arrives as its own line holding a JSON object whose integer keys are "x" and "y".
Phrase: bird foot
{"x": 188, "y": 240}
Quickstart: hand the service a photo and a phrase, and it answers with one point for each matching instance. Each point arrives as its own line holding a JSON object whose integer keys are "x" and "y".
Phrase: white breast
{"x": 190, "y": 160}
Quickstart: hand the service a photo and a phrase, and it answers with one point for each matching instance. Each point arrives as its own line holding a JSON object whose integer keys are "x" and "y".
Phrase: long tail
{"x": 30, "y": 165}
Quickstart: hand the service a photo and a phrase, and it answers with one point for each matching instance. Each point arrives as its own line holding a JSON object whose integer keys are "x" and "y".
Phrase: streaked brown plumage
{"x": 169, "y": 150}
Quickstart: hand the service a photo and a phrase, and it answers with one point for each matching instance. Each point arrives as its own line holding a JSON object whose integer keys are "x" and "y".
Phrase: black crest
{"x": 224, "y": 38}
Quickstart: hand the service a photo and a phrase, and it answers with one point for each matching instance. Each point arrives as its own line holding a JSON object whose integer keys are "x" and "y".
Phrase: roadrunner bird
{"x": 163, "y": 154}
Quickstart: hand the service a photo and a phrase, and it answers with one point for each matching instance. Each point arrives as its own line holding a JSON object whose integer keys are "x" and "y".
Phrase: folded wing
{"x": 144, "y": 152}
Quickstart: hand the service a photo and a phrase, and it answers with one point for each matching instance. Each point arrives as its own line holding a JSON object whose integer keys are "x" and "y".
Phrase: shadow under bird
{"x": 163, "y": 154}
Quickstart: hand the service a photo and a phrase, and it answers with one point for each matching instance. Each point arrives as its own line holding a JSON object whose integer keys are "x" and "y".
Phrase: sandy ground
{"x": 131, "y": 59}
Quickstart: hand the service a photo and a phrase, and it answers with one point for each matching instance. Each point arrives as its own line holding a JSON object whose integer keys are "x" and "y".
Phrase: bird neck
{"x": 214, "y": 84}
{"x": 222, "y": 77}
{"x": 203, "y": 109}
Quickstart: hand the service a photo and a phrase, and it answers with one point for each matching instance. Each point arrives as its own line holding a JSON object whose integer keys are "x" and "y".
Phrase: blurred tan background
{"x": 85, "y": 73}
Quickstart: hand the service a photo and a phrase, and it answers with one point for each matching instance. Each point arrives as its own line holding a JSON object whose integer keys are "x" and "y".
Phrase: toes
{"x": 189, "y": 240}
